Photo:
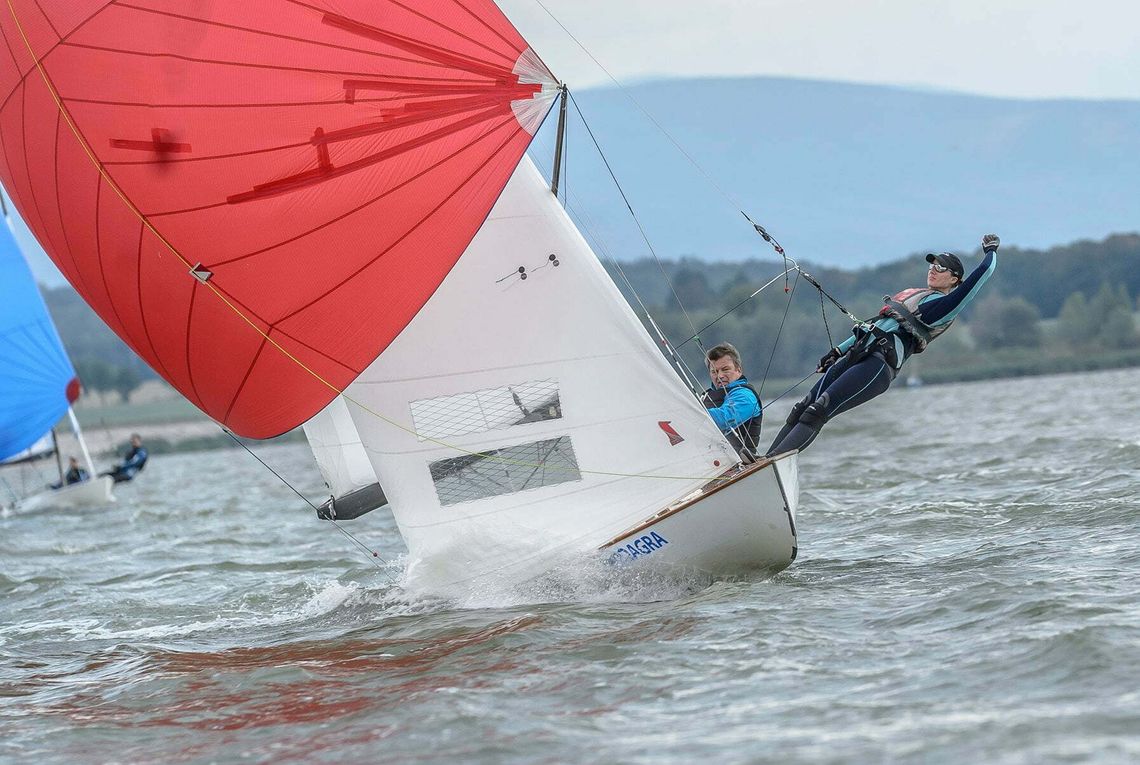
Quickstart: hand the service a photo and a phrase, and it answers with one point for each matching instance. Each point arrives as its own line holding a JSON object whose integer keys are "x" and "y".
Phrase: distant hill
{"x": 842, "y": 174}
{"x": 849, "y": 175}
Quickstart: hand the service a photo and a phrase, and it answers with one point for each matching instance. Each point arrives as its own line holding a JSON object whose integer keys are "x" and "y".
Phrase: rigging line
{"x": 812, "y": 280}
{"x": 683, "y": 368}
{"x": 732, "y": 200}
{"x": 134, "y": 210}
{"x": 584, "y": 220}
{"x": 712, "y": 181}
{"x": 640, "y": 228}
{"x": 779, "y": 332}
{"x": 689, "y": 376}
{"x": 826, "y": 326}
{"x": 766, "y": 285}
{"x": 789, "y": 390}
{"x": 775, "y": 245}
{"x": 373, "y": 556}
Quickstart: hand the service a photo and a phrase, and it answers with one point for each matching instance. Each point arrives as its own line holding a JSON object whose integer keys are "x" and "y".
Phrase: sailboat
{"x": 323, "y": 213}
{"x": 37, "y": 387}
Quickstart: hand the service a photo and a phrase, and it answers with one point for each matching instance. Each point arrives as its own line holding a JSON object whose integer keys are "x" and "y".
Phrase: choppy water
{"x": 968, "y": 590}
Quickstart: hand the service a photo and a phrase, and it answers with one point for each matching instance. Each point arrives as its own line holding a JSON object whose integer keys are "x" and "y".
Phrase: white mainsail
{"x": 528, "y": 353}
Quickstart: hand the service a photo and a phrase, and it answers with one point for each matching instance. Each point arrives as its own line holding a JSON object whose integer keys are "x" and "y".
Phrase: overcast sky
{"x": 1087, "y": 49}
{"x": 1084, "y": 49}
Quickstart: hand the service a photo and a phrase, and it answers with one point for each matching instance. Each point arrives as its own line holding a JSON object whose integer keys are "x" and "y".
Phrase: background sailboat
{"x": 287, "y": 202}
{"x": 37, "y": 385}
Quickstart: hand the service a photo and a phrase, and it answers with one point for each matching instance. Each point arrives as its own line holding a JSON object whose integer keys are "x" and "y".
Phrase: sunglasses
{"x": 938, "y": 268}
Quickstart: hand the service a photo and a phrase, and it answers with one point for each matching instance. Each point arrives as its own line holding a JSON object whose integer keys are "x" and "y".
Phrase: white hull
{"x": 742, "y": 523}
{"x": 92, "y": 493}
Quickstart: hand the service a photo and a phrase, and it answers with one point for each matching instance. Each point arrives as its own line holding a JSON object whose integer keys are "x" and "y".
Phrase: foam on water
{"x": 968, "y": 597}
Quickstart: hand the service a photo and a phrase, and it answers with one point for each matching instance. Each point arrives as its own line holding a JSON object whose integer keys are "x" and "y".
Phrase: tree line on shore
{"x": 1063, "y": 309}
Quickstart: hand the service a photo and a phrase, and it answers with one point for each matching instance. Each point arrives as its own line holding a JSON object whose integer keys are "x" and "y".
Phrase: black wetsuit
{"x": 133, "y": 462}
{"x": 870, "y": 362}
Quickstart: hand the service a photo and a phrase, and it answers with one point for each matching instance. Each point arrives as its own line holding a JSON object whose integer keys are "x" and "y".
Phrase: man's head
{"x": 136, "y": 439}
{"x": 724, "y": 364}
{"x": 72, "y": 462}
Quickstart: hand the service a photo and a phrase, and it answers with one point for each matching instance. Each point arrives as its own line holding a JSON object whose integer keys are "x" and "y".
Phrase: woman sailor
{"x": 865, "y": 364}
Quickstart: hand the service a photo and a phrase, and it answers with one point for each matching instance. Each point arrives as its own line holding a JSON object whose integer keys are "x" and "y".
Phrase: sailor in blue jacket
{"x": 133, "y": 461}
{"x": 865, "y": 364}
{"x": 732, "y": 402}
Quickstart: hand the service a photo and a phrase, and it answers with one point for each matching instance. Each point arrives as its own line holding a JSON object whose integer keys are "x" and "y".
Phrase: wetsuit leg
{"x": 793, "y": 418}
{"x": 831, "y": 375}
{"x": 856, "y": 384}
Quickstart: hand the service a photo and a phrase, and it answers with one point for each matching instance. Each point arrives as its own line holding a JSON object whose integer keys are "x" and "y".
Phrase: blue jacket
{"x": 133, "y": 462}
{"x": 740, "y": 405}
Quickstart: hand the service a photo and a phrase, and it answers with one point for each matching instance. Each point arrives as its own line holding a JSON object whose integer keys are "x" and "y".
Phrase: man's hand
{"x": 828, "y": 359}
{"x": 990, "y": 243}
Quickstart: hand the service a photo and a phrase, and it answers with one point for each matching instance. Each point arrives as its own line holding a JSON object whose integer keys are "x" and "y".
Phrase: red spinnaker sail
{"x": 258, "y": 196}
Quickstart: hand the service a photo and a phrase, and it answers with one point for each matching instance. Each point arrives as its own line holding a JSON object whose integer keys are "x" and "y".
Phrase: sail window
{"x": 489, "y": 409}
{"x": 505, "y": 471}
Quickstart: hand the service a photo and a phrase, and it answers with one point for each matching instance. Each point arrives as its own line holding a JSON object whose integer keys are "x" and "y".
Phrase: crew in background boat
{"x": 732, "y": 402}
{"x": 865, "y": 364}
{"x": 74, "y": 474}
{"x": 133, "y": 461}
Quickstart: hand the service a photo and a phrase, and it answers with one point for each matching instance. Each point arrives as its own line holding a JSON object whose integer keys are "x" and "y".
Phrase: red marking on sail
{"x": 674, "y": 437}
{"x": 159, "y": 143}
{"x": 326, "y": 163}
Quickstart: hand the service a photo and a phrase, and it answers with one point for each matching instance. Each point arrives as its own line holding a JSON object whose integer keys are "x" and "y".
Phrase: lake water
{"x": 968, "y": 590}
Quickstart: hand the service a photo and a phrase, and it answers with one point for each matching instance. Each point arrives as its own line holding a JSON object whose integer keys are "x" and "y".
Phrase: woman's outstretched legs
{"x": 843, "y": 386}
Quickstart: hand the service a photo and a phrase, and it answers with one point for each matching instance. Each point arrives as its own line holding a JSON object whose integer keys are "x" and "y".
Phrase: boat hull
{"x": 743, "y": 523}
{"x": 92, "y": 493}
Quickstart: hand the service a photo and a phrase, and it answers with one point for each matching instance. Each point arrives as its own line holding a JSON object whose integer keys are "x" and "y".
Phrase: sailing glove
{"x": 828, "y": 359}
{"x": 990, "y": 243}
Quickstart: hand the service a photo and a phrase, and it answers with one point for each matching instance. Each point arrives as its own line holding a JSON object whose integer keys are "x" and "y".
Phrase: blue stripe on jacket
{"x": 740, "y": 405}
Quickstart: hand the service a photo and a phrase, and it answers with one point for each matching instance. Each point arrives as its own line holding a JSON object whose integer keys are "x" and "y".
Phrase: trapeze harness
{"x": 916, "y": 334}
{"x": 745, "y": 437}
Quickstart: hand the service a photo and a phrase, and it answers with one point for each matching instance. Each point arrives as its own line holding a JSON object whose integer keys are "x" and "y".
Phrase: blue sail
{"x": 37, "y": 381}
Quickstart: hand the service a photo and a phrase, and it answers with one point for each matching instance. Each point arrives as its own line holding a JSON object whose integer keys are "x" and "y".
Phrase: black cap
{"x": 948, "y": 259}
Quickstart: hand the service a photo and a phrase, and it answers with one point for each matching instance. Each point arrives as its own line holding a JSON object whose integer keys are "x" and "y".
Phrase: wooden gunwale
{"x": 723, "y": 481}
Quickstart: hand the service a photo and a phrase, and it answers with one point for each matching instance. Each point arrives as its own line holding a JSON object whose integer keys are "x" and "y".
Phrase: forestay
{"x": 525, "y": 415}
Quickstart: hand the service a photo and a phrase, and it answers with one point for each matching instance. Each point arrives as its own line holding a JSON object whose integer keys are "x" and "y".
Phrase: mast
{"x": 556, "y": 175}
{"x": 82, "y": 443}
{"x": 58, "y": 459}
